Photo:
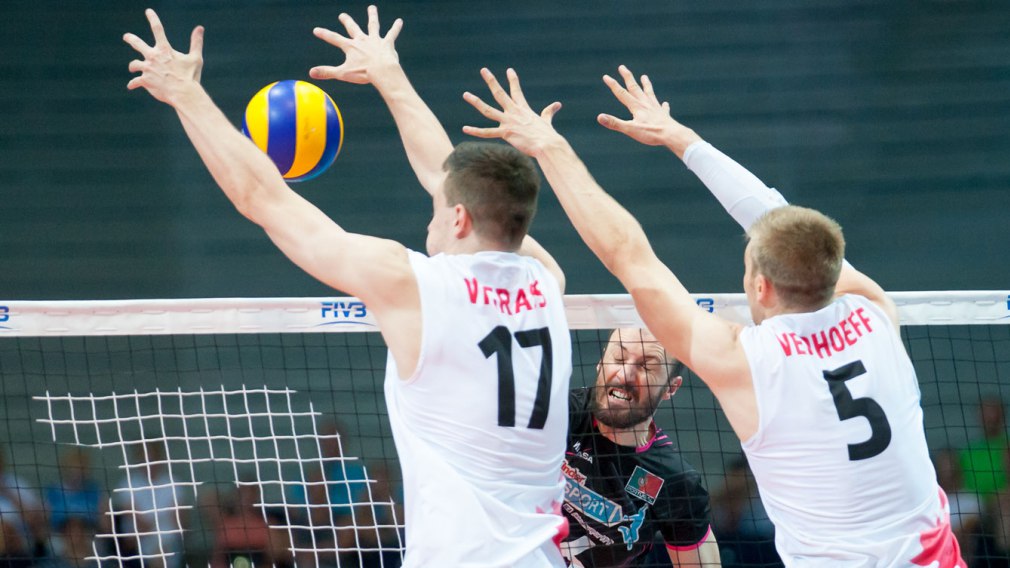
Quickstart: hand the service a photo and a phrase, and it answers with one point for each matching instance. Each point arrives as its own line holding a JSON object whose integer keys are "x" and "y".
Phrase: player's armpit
{"x": 716, "y": 354}
{"x": 376, "y": 271}
{"x": 530, "y": 247}
{"x": 852, "y": 281}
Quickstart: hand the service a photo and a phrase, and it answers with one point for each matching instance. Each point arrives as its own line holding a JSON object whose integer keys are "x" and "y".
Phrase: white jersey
{"x": 840, "y": 453}
{"x": 480, "y": 427}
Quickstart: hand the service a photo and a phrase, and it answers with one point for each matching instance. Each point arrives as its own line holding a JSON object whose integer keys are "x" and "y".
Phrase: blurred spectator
{"x": 745, "y": 533}
{"x": 993, "y": 547}
{"x": 76, "y": 505}
{"x": 74, "y": 547}
{"x": 984, "y": 461}
{"x": 149, "y": 508}
{"x": 23, "y": 532}
{"x": 328, "y": 494}
{"x": 201, "y": 526}
{"x": 965, "y": 506}
{"x": 379, "y": 523}
{"x": 243, "y": 535}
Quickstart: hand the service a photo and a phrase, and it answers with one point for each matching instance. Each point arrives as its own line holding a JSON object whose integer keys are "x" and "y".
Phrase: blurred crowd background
{"x": 890, "y": 116}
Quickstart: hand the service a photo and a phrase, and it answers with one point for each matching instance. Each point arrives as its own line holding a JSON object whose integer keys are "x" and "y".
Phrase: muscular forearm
{"x": 609, "y": 230}
{"x": 243, "y": 172}
{"x": 424, "y": 139}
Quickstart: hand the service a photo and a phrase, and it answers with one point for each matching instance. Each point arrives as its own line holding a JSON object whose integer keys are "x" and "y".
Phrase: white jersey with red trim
{"x": 480, "y": 427}
{"x": 840, "y": 453}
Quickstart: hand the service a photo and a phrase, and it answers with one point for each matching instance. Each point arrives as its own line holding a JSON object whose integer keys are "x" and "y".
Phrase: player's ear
{"x": 462, "y": 223}
{"x": 672, "y": 388}
{"x": 764, "y": 292}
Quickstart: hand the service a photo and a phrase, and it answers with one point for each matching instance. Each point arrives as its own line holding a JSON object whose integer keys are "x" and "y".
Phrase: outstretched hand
{"x": 164, "y": 72}
{"x": 368, "y": 55}
{"x": 518, "y": 124}
{"x": 650, "y": 123}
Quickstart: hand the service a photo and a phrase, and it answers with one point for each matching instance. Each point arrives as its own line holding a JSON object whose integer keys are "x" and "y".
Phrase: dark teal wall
{"x": 892, "y": 117}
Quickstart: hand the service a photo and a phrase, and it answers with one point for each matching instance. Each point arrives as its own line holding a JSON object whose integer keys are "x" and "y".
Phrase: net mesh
{"x": 269, "y": 443}
{"x": 253, "y": 432}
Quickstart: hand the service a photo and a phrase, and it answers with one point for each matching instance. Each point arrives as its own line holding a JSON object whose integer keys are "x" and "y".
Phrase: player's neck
{"x": 473, "y": 244}
{"x": 633, "y": 437}
{"x": 783, "y": 309}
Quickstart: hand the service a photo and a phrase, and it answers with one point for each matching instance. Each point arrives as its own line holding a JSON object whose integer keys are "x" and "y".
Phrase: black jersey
{"x": 618, "y": 497}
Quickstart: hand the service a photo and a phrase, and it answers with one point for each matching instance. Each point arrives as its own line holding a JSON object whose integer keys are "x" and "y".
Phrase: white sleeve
{"x": 741, "y": 193}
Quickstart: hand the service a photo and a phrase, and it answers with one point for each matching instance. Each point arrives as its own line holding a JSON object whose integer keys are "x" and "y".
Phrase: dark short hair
{"x": 498, "y": 186}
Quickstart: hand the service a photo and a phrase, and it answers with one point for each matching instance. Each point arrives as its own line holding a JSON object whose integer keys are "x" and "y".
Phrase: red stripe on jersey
{"x": 939, "y": 544}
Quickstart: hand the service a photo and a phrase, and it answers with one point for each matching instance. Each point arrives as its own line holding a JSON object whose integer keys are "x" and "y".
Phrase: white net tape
{"x": 328, "y": 315}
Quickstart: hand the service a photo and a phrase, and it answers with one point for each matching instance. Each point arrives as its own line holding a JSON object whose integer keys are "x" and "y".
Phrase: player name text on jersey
{"x": 509, "y": 302}
{"x": 827, "y": 341}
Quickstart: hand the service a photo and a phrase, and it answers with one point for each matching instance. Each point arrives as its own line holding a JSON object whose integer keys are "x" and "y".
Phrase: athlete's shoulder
{"x": 668, "y": 461}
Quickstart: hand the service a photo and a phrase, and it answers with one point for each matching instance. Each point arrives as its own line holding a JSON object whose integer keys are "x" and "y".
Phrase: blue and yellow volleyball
{"x": 297, "y": 125}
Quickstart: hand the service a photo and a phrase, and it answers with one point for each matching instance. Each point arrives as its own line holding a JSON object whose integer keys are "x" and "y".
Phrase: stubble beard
{"x": 635, "y": 414}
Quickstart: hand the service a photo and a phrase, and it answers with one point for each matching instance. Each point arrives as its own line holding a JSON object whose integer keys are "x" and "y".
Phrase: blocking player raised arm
{"x": 745, "y": 197}
{"x": 702, "y": 341}
{"x": 371, "y": 58}
{"x": 818, "y": 379}
{"x": 252, "y": 182}
{"x": 480, "y": 433}
{"x": 865, "y": 440}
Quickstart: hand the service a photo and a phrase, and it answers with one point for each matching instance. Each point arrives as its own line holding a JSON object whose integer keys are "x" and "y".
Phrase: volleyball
{"x": 298, "y": 125}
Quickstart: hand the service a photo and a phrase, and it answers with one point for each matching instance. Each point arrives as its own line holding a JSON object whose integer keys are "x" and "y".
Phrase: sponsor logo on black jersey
{"x": 579, "y": 453}
{"x": 573, "y": 473}
{"x": 592, "y": 504}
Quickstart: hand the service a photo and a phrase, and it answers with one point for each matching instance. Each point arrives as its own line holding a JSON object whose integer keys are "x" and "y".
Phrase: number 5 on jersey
{"x": 499, "y": 342}
{"x": 849, "y": 407}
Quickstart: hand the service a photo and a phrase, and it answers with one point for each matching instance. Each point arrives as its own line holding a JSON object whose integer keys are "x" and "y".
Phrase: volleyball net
{"x": 250, "y": 432}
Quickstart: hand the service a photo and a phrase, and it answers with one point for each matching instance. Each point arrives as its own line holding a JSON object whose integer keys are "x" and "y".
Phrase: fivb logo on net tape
{"x": 347, "y": 311}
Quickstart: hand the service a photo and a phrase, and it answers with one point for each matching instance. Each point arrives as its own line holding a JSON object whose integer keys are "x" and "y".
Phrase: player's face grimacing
{"x": 631, "y": 379}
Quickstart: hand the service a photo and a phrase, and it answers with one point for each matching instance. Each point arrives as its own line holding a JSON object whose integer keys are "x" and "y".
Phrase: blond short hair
{"x": 800, "y": 251}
